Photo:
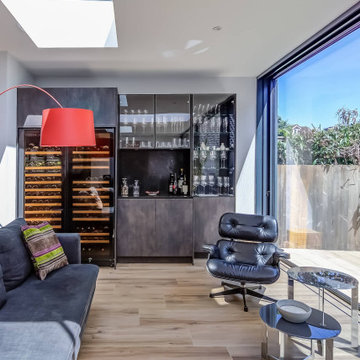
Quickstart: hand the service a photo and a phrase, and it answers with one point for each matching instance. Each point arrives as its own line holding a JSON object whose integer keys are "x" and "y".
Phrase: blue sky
{"x": 312, "y": 92}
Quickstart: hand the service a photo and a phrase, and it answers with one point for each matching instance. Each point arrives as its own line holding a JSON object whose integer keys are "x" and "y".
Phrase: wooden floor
{"x": 163, "y": 311}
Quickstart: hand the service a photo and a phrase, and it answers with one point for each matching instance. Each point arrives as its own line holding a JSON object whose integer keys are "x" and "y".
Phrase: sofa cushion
{"x": 2, "y": 289}
{"x": 44, "y": 319}
{"x": 14, "y": 258}
{"x": 46, "y": 251}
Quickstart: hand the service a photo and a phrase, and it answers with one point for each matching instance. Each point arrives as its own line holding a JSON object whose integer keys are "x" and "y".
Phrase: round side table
{"x": 328, "y": 279}
{"x": 310, "y": 330}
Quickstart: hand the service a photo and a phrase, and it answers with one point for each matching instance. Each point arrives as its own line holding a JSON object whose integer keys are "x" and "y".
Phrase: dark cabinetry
{"x": 102, "y": 101}
{"x": 135, "y": 227}
{"x": 155, "y": 228}
{"x": 174, "y": 220}
{"x": 207, "y": 212}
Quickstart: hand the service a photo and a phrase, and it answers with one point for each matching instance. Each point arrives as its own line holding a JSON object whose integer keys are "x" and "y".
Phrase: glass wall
{"x": 318, "y": 157}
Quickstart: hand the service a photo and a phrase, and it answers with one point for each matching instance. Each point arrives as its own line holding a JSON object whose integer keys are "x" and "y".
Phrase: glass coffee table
{"x": 330, "y": 280}
{"x": 310, "y": 330}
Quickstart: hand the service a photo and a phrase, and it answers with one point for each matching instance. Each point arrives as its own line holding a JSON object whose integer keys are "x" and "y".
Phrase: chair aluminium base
{"x": 243, "y": 291}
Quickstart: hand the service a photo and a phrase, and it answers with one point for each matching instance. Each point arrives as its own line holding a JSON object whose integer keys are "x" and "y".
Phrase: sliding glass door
{"x": 318, "y": 158}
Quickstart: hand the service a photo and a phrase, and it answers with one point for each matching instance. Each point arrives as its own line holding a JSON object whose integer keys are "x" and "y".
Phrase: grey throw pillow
{"x": 14, "y": 258}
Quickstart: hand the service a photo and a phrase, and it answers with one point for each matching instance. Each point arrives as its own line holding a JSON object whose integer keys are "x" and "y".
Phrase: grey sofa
{"x": 42, "y": 319}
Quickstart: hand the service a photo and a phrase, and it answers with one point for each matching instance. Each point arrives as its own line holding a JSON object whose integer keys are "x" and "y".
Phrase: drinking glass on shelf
{"x": 196, "y": 158}
{"x": 213, "y": 124}
{"x": 225, "y": 124}
{"x": 133, "y": 142}
{"x": 212, "y": 157}
{"x": 203, "y": 184}
{"x": 136, "y": 188}
{"x": 203, "y": 156}
{"x": 174, "y": 144}
{"x": 226, "y": 185}
{"x": 196, "y": 183}
{"x": 211, "y": 184}
{"x": 218, "y": 124}
{"x": 179, "y": 142}
{"x": 126, "y": 142}
{"x": 220, "y": 185}
{"x": 223, "y": 158}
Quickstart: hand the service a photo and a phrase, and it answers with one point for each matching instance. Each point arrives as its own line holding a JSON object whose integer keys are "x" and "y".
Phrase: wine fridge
{"x": 72, "y": 189}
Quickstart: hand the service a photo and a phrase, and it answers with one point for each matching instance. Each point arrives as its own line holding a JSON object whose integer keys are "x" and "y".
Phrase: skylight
{"x": 66, "y": 23}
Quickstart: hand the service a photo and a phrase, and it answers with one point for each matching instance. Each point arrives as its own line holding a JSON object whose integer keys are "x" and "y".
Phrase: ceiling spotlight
{"x": 217, "y": 28}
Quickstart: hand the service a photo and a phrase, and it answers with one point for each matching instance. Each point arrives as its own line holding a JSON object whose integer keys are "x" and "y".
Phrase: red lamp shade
{"x": 67, "y": 127}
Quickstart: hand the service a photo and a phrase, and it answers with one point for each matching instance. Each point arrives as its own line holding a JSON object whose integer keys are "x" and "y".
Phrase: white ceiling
{"x": 154, "y": 37}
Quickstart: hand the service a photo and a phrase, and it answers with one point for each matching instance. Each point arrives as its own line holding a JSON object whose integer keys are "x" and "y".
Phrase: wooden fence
{"x": 319, "y": 206}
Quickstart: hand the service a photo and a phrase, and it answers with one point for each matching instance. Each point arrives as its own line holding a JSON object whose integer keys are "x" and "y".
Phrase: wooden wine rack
{"x": 90, "y": 152}
{"x": 91, "y": 160}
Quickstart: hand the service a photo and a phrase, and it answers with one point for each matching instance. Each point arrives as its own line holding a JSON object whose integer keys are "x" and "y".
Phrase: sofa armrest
{"x": 71, "y": 245}
{"x": 280, "y": 254}
{"x": 213, "y": 250}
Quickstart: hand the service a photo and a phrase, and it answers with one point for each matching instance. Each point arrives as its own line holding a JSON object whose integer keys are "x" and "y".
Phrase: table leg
{"x": 329, "y": 351}
{"x": 282, "y": 344}
{"x": 264, "y": 344}
{"x": 354, "y": 317}
{"x": 290, "y": 288}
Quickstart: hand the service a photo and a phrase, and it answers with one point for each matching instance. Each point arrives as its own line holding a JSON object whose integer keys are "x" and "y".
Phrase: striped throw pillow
{"x": 45, "y": 249}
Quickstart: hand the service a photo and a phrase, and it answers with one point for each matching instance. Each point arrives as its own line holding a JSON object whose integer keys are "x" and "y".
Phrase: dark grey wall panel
{"x": 102, "y": 101}
{"x": 207, "y": 213}
{"x": 136, "y": 227}
{"x": 174, "y": 227}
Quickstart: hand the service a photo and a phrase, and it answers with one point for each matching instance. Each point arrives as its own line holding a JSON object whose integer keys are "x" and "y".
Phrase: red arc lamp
{"x": 64, "y": 126}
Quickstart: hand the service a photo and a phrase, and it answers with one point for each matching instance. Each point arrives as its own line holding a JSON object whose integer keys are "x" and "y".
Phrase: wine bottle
{"x": 180, "y": 181}
{"x": 175, "y": 185}
{"x": 185, "y": 187}
{"x": 171, "y": 184}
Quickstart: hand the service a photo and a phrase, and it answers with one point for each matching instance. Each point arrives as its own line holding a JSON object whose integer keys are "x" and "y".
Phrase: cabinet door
{"x": 136, "y": 227}
{"x": 174, "y": 227}
{"x": 207, "y": 213}
{"x": 102, "y": 101}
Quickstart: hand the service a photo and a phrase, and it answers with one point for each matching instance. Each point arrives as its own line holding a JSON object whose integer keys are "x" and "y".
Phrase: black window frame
{"x": 266, "y": 116}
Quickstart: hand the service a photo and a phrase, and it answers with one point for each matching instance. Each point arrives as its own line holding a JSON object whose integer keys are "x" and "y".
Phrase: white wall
{"x": 245, "y": 88}
{"x": 11, "y": 73}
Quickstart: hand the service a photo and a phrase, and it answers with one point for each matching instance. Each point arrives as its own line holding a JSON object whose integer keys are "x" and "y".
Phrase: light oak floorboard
{"x": 163, "y": 312}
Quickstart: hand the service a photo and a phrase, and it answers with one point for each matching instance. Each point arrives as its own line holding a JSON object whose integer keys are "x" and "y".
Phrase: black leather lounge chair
{"x": 248, "y": 255}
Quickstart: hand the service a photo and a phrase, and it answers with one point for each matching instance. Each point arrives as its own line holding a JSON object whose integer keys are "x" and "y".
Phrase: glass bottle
{"x": 185, "y": 187}
{"x": 171, "y": 184}
{"x": 136, "y": 188}
{"x": 180, "y": 181}
{"x": 124, "y": 188}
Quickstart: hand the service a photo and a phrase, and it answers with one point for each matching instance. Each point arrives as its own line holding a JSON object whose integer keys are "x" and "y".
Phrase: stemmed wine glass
{"x": 226, "y": 185}
{"x": 211, "y": 184}
{"x": 223, "y": 158}
{"x": 203, "y": 184}
{"x": 212, "y": 157}
{"x": 203, "y": 156}
{"x": 220, "y": 184}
